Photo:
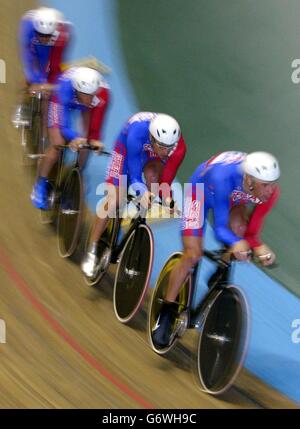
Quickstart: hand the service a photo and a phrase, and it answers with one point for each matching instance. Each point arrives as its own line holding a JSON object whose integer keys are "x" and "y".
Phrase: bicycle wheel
{"x": 183, "y": 300}
{"x": 70, "y": 214}
{"x": 223, "y": 340}
{"x": 133, "y": 273}
{"x": 103, "y": 252}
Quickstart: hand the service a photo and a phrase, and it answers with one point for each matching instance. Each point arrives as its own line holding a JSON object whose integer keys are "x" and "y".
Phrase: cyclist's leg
{"x": 52, "y": 153}
{"x": 191, "y": 254}
{"x": 41, "y": 188}
{"x": 169, "y": 310}
{"x": 39, "y": 195}
{"x": 194, "y": 216}
{"x": 45, "y": 107}
{"x": 115, "y": 188}
{"x": 192, "y": 233}
{"x": 55, "y": 139}
{"x": 106, "y": 209}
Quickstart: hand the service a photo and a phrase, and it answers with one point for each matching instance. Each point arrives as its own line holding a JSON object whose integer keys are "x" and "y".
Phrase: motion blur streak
{"x": 25, "y": 290}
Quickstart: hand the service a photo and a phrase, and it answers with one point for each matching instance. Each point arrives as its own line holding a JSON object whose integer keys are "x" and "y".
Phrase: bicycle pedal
{"x": 132, "y": 273}
{"x": 182, "y": 323}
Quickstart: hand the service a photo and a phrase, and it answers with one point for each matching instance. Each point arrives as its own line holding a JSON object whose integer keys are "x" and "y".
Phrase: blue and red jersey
{"x": 222, "y": 177}
{"x": 64, "y": 103}
{"x": 133, "y": 149}
{"x": 42, "y": 63}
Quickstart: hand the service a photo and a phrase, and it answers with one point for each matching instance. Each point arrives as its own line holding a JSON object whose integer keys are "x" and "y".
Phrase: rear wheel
{"x": 223, "y": 340}
{"x": 133, "y": 274}
{"x": 182, "y": 299}
{"x": 70, "y": 214}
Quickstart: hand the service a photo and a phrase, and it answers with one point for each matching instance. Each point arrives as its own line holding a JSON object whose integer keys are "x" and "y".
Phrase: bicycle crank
{"x": 105, "y": 260}
{"x": 182, "y": 323}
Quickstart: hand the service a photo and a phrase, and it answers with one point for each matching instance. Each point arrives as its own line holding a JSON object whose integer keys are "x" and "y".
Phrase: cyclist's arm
{"x": 98, "y": 114}
{"x": 64, "y": 96}
{"x": 255, "y": 225}
{"x": 171, "y": 167}
{"x": 173, "y": 163}
{"x": 29, "y": 60}
{"x": 222, "y": 192}
{"x": 58, "y": 52}
{"x": 135, "y": 141}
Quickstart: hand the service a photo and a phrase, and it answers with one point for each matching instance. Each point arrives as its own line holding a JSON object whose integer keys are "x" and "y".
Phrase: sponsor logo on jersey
{"x": 193, "y": 216}
{"x": 238, "y": 195}
{"x": 147, "y": 147}
{"x": 115, "y": 165}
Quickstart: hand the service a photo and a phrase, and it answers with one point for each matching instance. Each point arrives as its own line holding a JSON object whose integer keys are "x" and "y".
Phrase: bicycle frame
{"x": 194, "y": 313}
{"x": 117, "y": 248}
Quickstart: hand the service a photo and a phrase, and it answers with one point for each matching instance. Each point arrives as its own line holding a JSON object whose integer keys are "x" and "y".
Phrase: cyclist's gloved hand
{"x": 264, "y": 254}
{"x": 146, "y": 199}
{"x": 35, "y": 87}
{"x": 46, "y": 88}
{"x": 97, "y": 144}
{"x": 169, "y": 202}
{"x": 171, "y": 205}
{"x": 241, "y": 250}
{"x": 77, "y": 143}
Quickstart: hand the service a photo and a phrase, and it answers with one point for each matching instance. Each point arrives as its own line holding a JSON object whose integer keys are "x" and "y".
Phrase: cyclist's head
{"x": 261, "y": 173}
{"x": 165, "y": 133}
{"x": 45, "y": 21}
{"x": 86, "y": 81}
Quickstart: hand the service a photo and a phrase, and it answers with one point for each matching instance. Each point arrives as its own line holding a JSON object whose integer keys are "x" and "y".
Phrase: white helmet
{"x": 262, "y": 166}
{"x": 45, "y": 20}
{"x": 165, "y": 129}
{"x": 86, "y": 80}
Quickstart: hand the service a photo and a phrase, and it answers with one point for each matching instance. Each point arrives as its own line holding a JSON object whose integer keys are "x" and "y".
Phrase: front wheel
{"x": 223, "y": 340}
{"x": 133, "y": 274}
{"x": 70, "y": 214}
{"x": 183, "y": 300}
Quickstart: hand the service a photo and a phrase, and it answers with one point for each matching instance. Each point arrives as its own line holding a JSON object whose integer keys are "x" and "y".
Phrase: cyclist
{"x": 43, "y": 37}
{"x": 79, "y": 89}
{"x": 149, "y": 143}
{"x": 241, "y": 189}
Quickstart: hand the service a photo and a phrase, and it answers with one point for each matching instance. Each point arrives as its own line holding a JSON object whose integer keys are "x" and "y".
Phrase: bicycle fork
{"x": 132, "y": 267}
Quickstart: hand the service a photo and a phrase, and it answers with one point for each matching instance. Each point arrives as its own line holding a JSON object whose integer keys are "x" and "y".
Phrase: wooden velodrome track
{"x": 64, "y": 347}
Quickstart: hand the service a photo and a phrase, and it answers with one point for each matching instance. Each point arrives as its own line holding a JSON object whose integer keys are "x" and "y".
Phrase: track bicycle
{"x": 222, "y": 319}
{"x": 133, "y": 254}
